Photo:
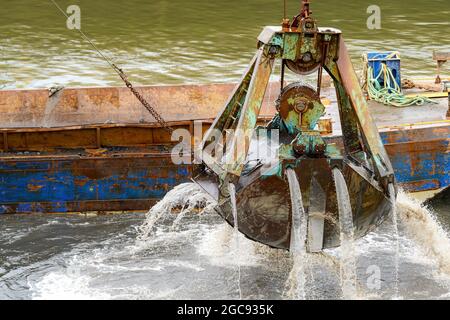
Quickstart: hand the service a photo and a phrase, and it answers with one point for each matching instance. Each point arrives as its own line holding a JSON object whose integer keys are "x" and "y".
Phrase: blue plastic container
{"x": 391, "y": 59}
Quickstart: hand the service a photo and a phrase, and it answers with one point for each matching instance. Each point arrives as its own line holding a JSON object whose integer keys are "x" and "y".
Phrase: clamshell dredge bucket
{"x": 263, "y": 194}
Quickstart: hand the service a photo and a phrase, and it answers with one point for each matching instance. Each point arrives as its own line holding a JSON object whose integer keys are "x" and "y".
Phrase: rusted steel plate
{"x": 82, "y": 106}
{"x": 69, "y": 139}
{"x": 89, "y": 137}
{"x": 441, "y": 56}
{"x": 415, "y": 162}
{"x": 130, "y": 178}
{"x": 109, "y": 183}
{"x": 421, "y": 185}
{"x": 420, "y": 156}
{"x": 251, "y": 109}
{"x": 106, "y": 206}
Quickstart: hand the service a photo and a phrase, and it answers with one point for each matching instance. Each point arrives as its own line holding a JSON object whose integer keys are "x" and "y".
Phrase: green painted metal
{"x": 290, "y": 46}
{"x": 250, "y": 110}
{"x": 325, "y": 48}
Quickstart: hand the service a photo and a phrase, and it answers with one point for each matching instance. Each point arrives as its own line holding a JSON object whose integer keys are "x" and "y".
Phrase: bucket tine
{"x": 344, "y": 205}
{"x": 317, "y": 211}
{"x": 299, "y": 218}
{"x": 348, "y": 260}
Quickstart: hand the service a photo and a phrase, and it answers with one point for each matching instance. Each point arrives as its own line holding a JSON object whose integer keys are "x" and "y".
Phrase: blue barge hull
{"x": 76, "y": 166}
{"x": 77, "y": 184}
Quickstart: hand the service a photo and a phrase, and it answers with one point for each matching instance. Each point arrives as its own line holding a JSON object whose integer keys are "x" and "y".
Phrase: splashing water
{"x": 297, "y": 276}
{"x": 188, "y": 197}
{"x": 394, "y": 217}
{"x": 421, "y": 225}
{"x": 198, "y": 261}
{"x": 348, "y": 259}
{"x": 232, "y": 191}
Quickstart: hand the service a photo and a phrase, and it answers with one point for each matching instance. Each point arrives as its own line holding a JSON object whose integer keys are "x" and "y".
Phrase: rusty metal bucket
{"x": 362, "y": 169}
{"x": 264, "y": 202}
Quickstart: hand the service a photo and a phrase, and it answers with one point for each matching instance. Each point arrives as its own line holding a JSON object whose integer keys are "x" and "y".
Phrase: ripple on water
{"x": 108, "y": 261}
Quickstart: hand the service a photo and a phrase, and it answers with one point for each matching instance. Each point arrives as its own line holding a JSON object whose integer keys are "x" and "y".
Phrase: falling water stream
{"x": 184, "y": 198}
{"x": 348, "y": 259}
{"x": 393, "y": 198}
{"x": 297, "y": 278}
{"x": 232, "y": 190}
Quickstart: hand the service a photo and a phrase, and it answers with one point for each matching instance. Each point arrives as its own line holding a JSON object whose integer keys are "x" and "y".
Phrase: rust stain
{"x": 34, "y": 188}
{"x": 416, "y": 150}
{"x": 96, "y": 152}
{"x": 419, "y": 185}
{"x": 81, "y": 182}
{"x": 116, "y": 188}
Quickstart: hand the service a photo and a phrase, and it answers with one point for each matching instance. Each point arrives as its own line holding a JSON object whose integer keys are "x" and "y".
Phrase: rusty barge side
{"x": 96, "y": 149}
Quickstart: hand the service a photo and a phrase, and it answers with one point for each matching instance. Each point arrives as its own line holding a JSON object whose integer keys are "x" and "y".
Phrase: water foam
{"x": 421, "y": 225}
{"x": 186, "y": 197}
{"x": 218, "y": 246}
{"x": 348, "y": 258}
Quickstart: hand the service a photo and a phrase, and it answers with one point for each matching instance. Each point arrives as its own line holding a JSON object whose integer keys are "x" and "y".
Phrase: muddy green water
{"x": 196, "y": 41}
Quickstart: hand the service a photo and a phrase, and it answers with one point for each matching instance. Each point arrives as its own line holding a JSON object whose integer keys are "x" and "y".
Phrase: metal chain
{"x": 144, "y": 102}
{"x": 123, "y": 76}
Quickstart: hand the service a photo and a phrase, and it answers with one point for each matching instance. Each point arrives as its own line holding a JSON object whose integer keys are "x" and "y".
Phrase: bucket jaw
{"x": 263, "y": 197}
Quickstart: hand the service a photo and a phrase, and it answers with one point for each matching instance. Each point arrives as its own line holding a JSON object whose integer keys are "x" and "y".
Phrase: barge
{"x": 98, "y": 150}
